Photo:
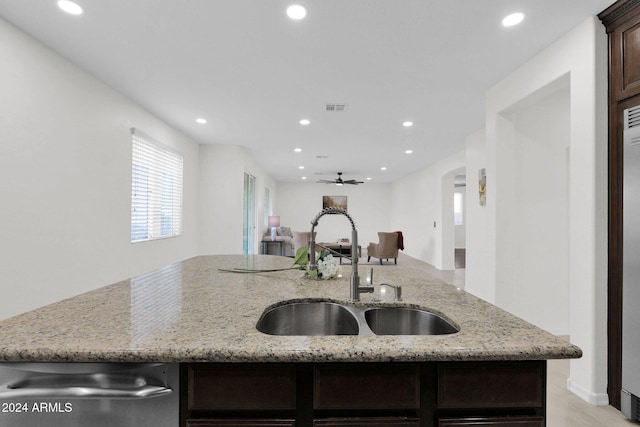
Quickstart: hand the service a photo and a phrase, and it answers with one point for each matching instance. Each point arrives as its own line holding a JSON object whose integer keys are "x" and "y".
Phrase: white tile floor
{"x": 564, "y": 409}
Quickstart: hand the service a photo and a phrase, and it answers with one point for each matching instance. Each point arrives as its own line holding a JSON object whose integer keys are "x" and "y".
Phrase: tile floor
{"x": 564, "y": 409}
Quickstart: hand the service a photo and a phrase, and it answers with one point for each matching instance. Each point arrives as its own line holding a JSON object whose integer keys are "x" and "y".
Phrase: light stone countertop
{"x": 192, "y": 312}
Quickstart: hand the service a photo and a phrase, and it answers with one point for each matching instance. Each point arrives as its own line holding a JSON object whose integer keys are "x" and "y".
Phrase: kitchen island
{"x": 194, "y": 314}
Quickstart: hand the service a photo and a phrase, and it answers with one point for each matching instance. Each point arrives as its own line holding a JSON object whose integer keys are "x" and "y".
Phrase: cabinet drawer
{"x": 367, "y": 422}
{"x": 492, "y": 422}
{"x": 365, "y": 386}
{"x": 241, "y": 387}
{"x": 240, "y": 423}
{"x": 491, "y": 385}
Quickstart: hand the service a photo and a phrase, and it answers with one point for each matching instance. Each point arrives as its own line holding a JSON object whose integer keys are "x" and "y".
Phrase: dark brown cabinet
{"x": 490, "y": 385}
{"x": 241, "y": 387}
{"x": 240, "y": 423}
{"x": 367, "y": 422}
{"x": 357, "y": 386}
{"x": 493, "y": 422}
{"x": 444, "y": 394}
{"x": 622, "y": 20}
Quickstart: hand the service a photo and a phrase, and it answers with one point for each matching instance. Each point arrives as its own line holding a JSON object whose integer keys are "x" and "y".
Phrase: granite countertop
{"x": 192, "y": 312}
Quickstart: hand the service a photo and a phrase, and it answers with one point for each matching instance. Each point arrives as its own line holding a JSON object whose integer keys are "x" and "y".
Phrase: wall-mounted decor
{"x": 334, "y": 202}
{"x": 482, "y": 186}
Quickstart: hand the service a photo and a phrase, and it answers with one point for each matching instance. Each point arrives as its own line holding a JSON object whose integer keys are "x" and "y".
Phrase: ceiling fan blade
{"x": 325, "y": 181}
{"x": 353, "y": 181}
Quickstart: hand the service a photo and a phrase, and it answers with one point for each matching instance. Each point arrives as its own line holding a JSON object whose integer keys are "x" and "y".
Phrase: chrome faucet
{"x": 356, "y": 289}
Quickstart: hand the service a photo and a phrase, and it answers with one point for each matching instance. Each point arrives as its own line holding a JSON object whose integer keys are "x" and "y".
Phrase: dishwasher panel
{"x": 89, "y": 394}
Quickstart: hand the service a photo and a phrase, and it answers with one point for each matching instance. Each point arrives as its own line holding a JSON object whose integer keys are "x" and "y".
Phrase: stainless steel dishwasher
{"x": 89, "y": 394}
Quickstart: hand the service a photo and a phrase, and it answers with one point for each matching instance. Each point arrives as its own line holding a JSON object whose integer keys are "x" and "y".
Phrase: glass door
{"x": 249, "y": 215}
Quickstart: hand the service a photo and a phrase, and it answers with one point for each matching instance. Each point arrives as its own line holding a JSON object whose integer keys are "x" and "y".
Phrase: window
{"x": 156, "y": 190}
{"x": 267, "y": 206}
{"x": 457, "y": 208}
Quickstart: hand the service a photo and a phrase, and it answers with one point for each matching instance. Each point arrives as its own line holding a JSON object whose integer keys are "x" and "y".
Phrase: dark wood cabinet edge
{"x": 618, "y": 13}
{"x": 497, "y": 421}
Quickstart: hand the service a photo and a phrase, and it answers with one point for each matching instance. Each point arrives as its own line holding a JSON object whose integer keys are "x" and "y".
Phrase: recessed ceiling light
{"x": 513, "y": 19}
{"x": 304, "y": 122}
{"x": 201, "y": 120}
{"x": 296, "y": 12}
{"x": 297, "y": 150}
{"x": 304, "y": 177}
{"x": 384, "y": 168}
{"x": 70, "y": 7}
{"x": 368, "y": 178}
{"x": 408, "y": 151}
{"x": 300, "y": 167}
{"x": 407, "y": 124}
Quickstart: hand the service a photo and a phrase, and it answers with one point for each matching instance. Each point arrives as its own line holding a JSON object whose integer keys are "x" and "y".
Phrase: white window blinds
{"x": 156, "y": 189}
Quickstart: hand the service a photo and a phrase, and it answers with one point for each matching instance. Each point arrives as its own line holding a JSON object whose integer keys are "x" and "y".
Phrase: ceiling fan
{"x": 339, "y": 181}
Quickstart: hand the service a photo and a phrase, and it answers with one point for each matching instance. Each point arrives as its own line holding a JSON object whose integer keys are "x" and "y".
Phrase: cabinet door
{"x": 241, "y": 387}
{"x": 491, "y": 384}
{"x": 240, "y": 423}
{"x": 363, "y": 386}
{"x": 492, "y": 422}
{"x": 625, "y": 55}
{"x": 367, "y": 422}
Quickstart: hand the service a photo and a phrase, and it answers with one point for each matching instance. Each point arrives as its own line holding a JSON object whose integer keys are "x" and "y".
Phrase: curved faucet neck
{"x": 323, "y": 212}
{"x": 355, "y": 279}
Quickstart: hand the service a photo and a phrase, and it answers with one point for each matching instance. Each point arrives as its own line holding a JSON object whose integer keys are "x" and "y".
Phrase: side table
{"x": 264, "y": 246}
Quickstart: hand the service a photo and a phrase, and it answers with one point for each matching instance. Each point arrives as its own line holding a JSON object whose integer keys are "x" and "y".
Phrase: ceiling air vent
{"x": 335, "y": 108}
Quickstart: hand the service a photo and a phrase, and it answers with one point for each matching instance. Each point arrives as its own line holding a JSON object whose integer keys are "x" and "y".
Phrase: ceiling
{"x": 253, "y": 73}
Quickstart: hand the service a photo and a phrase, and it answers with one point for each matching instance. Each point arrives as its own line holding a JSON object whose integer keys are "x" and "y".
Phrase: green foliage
{"x": 302, "y": 256}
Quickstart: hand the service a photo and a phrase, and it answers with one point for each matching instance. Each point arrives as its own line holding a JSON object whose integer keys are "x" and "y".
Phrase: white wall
{"x": 422, "y": 199}
{"x": 537, "y": 260}
{"x": 582, "y": 56}
{"x": 368, "y": 205}
{"x": 65, "y": 169}
{"x": 222, "y": 169}
{"x": 480, "y": 271}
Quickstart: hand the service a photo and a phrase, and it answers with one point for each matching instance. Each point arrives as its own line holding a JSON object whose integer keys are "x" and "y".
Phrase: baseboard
{"x": 597, "y": 399}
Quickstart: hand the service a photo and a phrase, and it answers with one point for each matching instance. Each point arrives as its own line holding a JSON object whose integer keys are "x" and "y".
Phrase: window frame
{"x": 157, "y": 175}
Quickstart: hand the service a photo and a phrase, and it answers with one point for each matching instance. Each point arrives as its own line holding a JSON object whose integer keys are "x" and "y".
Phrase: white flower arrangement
{"x": 328, "y": 266}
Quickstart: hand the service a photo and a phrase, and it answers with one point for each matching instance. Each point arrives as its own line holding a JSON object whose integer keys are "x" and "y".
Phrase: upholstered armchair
{"x": 300, "y": 240}
{"x": 387, "y": 247}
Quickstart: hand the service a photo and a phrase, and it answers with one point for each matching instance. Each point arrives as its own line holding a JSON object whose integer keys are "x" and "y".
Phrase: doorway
{"x": 459, "y": 220}
{"x": 249, "y": 215}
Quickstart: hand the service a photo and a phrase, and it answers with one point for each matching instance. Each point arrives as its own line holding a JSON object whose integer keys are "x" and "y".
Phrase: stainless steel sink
{"x": 331, "y": 318}
{"x": 308, "y": 318}
{"x": 406, "y": 321}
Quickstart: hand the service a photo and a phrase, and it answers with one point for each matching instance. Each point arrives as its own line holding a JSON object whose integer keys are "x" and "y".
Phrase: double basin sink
{"x": 332, "y": 318}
